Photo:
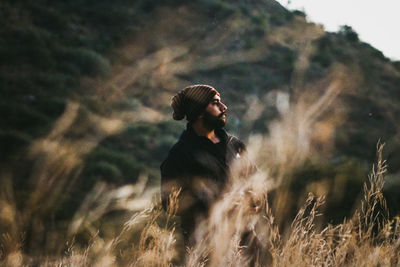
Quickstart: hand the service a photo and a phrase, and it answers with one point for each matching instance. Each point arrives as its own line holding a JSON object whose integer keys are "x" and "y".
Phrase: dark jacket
{"x": 201, "y": 169}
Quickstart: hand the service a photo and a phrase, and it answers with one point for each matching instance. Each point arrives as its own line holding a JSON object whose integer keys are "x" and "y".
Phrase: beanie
{"x": 192, "y": 101}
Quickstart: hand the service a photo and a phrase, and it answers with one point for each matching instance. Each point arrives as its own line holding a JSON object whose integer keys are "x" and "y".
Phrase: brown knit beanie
{"x": 192, "y": 100}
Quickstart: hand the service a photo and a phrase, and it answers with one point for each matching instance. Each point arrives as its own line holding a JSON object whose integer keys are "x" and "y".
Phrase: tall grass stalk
{"x": 127, "y": 227}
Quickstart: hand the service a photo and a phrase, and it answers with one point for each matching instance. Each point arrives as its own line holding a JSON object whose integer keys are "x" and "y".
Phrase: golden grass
{"x": 240, "y": 231}
{"x": 241, "y": 228}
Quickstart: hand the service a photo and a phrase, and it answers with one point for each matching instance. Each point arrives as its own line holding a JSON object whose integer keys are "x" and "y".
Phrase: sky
{"x": 376, "y": 22}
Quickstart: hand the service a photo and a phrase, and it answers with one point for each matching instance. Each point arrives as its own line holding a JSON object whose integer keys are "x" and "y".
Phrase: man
{"x": 201, "y": 162}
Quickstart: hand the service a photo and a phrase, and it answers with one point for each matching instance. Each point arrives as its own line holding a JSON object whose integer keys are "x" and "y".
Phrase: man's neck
{"x": 201, "y": 130}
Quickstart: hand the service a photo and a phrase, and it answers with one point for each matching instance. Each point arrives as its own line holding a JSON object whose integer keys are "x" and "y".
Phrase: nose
{"x": 223, "y": 107}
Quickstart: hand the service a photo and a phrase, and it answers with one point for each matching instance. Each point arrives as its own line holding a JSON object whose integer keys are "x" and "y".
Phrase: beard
{"x": 214, "y": 122}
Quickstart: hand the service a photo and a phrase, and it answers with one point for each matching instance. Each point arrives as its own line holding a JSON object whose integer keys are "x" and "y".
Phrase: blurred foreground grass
{"x": 250, "y": 224}
{"x": 86, "y": 192}
{"x": 125, "y": 226}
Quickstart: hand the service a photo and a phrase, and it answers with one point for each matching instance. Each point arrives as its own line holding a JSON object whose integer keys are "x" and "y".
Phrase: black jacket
{"x": 201, "y": 169}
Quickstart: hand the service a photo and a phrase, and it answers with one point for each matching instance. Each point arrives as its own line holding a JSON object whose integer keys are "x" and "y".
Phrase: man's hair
{"x": 192, "y": 101}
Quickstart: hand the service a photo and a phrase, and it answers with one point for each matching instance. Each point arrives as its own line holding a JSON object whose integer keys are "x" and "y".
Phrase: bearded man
{"x": 201, "y": 162}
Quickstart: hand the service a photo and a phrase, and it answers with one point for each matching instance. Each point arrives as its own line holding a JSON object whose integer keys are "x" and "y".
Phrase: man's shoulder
{"x": 177, "y": 160}
{"x": 179, "y": 150}
{"x": 235, "y": 142}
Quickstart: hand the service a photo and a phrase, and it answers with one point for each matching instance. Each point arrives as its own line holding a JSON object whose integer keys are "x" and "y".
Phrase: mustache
{"x": 222, "y": 114}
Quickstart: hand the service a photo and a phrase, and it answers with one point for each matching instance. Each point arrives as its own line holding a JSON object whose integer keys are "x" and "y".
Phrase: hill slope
{"x": 122, "y": 62}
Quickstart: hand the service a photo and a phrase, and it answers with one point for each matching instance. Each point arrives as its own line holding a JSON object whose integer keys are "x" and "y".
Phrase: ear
{"x": 201, "y": 116}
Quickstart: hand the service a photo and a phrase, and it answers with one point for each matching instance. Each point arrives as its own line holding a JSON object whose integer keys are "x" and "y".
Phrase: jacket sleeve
{"x": 177, "y": 173}
{"x": 170, "y": 178}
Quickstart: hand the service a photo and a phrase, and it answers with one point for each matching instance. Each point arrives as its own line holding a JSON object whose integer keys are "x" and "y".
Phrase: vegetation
{"x": 124, "y": 226}
{"x": 85, "y": 92}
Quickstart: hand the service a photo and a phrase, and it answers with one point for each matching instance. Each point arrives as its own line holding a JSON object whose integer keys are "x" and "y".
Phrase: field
{"x": 125, "y": 226}
{"x": 87, "y": 121}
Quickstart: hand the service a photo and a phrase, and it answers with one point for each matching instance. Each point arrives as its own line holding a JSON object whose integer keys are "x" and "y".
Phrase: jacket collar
{"x": 190, "y": 134}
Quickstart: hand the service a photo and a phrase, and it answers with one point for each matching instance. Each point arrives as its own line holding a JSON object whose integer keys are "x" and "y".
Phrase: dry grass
{"x": 241, "y": 229}
{"x": 242, "y": 226}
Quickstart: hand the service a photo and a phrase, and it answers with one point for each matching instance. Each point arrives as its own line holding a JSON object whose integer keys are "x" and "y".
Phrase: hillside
{"x": 86, "y": 87}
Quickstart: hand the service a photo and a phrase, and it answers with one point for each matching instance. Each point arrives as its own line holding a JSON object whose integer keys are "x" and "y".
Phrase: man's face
{"x": 215, "y": 114}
